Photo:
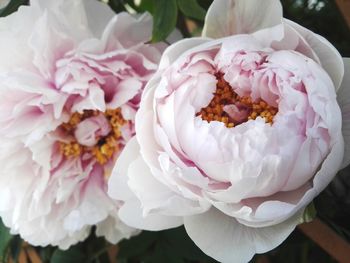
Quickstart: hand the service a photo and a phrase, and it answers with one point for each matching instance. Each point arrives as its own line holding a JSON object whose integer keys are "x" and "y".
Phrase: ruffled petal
{"x": 60, "y": 57}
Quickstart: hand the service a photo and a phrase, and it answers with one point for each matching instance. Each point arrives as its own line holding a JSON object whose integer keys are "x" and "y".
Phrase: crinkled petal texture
{"x": 62, "y": 60}
{"x": 240, "y": 187}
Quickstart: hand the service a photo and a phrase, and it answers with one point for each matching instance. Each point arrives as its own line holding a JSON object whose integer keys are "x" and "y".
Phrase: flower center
{"x": 228, "y": 107}
{"x": 102, "y": 144}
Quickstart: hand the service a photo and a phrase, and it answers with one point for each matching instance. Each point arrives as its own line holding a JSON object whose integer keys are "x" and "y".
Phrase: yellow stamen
{"x": 224, "y": 95}
{"x": 104, "y": 150}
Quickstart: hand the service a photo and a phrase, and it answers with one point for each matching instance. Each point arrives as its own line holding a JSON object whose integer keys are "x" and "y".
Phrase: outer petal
{"x": 229, "y": 17}
{"x": 226, "y": 240}
{"x": 98, "y": 15}
{"x": 126, "y": 31}
{"x": 344, "y": 103}
{"x": 87, "y": 13}
{"x": 118, "y": 182}
{"x": 131, "y": 212}
{"x": 330, "y": 58}
{"x": 114, "y": 230}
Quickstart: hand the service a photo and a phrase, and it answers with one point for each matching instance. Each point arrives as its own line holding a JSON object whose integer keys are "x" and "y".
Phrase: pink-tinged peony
{"x": 71, "y": 74}
{"x": 237, "y": 132}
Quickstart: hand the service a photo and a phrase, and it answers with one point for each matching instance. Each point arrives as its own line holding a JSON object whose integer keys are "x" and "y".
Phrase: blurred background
{"x": 329, "y": 18}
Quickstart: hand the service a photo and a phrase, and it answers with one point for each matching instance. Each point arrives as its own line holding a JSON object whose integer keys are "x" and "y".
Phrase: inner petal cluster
{"x": 103, "y": 143}
{"x": 228, "y": 107}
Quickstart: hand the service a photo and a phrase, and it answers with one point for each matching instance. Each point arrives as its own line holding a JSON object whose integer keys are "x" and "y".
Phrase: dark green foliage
{"x": 322, "y": 17}
{"x": 15, "y": 247}
{"x": 73, "y": 255}
{"x": 164, "y": 19}
{"x": 117, "y": 6}
{"x": 12, "y": 7}
{"x": 192, "y": 9}
{"x": 333, "y": 204}
{"x": 5, "y": 239}
{"x": 173, "y": 246}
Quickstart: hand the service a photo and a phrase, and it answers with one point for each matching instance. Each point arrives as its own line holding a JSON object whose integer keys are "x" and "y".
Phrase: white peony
{"x": 71, "y": 75}
{"x": 237, "y": 132}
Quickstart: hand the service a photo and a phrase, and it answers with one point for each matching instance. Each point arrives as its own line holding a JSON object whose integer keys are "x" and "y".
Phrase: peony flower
{"x": 71, "y": 73}
{"x": 237, "y": 132}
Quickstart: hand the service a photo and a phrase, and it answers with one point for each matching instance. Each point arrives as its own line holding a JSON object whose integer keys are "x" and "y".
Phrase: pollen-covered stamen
{"x": 228, "y": 107}
{"x": 105, "y": 146}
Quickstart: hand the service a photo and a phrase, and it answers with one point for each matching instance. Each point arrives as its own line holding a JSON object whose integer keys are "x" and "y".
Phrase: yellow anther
{"x": 224, "y": 95}
{"x": 104, "y": 150}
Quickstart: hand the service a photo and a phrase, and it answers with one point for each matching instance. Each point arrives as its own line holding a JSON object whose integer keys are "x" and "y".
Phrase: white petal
{"x": 127, "y": 89}
{"x": 229, "y": 17}
{"x": 158, "y": 197}
{"x": 126, "y": 31}
{"x": 114, "y": 230}
{"x": 226, "y": 240}
{"x": 343, "y": 97}
{"x": 80, "y": 13}
{"x": 64, "y": 14}
{"x": 131, "y": 214}
{"x": 98, "y": 15}
{"x": 118, "y": 187}
{"x": 94, "y": 100}
{"x": 330, "y": 58}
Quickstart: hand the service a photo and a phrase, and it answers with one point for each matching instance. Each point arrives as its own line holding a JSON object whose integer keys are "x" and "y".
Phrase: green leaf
{"x": 11, "y": 7}
{"x": 5, "y": 238}
{"x": 164, "y": 19}
{"x": 146, "y": 5}
{"x": 137, "y": 245}
{"x": 192, "y": 9}
{"x": 72, "y": 255}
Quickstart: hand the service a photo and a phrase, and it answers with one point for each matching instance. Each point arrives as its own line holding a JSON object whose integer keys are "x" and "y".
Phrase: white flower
{"x": 237, "y": 132}
{"x": 71, "y": 74}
